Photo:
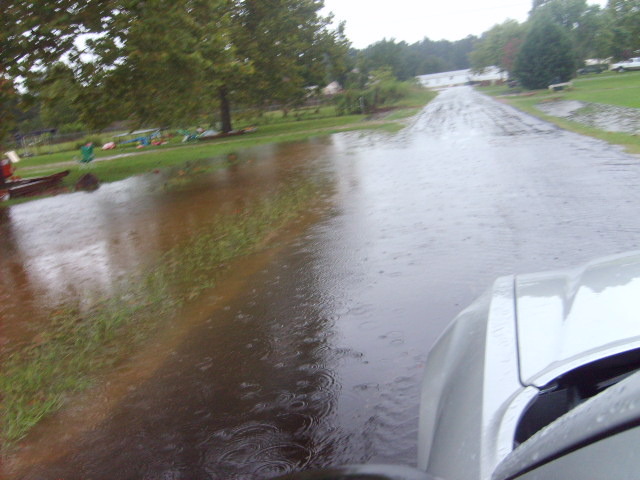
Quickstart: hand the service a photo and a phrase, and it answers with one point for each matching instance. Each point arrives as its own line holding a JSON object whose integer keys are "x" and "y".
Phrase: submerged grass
{"x": 630, "y": 142}
{"x": 78, "y": 344}
{"x": 611, "y": 89}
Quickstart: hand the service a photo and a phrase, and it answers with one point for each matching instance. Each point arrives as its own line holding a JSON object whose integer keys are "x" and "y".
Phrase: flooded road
{"x": 311, "y": 353}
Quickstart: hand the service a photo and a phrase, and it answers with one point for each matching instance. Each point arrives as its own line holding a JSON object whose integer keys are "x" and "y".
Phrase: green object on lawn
{"x": 87, "y": 153}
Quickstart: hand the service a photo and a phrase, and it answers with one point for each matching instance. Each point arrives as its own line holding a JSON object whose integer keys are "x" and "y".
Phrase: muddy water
{"x": 313, "y": 357}
{"x": 81, "y": 246}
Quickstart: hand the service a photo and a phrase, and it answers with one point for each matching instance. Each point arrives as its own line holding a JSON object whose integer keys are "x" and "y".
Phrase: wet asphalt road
{"x": 318, "y": 361}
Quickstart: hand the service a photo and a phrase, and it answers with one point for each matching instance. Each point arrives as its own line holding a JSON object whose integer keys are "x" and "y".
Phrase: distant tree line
{"x": 558, "y": 37}
{"x": 409, "y": 60}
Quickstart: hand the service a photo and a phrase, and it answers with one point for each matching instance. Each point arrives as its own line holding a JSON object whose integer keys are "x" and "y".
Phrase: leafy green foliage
{"x": 56, "y": 91}
{"x": 624, "y": 27}
{"x": 163, "y": 62}
{"x": 583, "y": 23}
{"x": 8, "y": 98}
{"x": 289, "y": 47}
{"x": 499, "y": 46}
{"x": 381, "y": 90}
{"x": 37, "y": 33}
{"x": 546, "y": 55}
{"x": 593, "y": 32}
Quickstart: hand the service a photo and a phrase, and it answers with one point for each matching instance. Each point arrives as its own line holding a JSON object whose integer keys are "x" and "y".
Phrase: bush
{"x": 546, "y": 56}
{"x": 349, "y": 102}
{"x": 368, "y": 100}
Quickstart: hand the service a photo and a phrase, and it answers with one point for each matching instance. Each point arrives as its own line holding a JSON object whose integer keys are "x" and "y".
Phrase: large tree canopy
{"x": 582, "y": 22}
{"x": 164, "y": 61}
{"x": 39, "y": 32}
{"x": 56, "y": 92}
{"x": 288, "y": 45}
{"x": 623, "y": 18}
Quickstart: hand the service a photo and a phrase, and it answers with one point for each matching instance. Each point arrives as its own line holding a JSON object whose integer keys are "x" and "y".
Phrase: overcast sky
{"x": 369, "y": 21}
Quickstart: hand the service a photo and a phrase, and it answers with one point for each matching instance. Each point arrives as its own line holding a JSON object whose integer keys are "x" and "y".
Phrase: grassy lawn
{"x": 620, "y": 89}
{"x": 298, "y": 125}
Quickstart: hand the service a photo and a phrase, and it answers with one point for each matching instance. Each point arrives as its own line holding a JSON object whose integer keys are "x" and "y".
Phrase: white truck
{"x": 631, "y": 64}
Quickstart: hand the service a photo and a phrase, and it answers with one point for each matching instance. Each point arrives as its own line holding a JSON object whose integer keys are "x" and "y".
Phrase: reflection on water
{"x": 250, "y": 391}
{"x": 74, "y": 247}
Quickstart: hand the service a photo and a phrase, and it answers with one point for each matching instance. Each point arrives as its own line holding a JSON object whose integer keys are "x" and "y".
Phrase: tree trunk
{"x": 225, "y": 109}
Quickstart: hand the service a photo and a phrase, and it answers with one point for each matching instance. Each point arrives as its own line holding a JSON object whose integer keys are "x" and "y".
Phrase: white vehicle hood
{"x": 569, "y": 318}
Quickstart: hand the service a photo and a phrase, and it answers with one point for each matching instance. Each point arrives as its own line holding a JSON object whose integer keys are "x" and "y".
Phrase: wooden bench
{"x": 560, "y": 86}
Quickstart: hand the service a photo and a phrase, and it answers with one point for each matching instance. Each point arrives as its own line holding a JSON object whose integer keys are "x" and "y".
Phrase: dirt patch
{"x": 610, "y": 118}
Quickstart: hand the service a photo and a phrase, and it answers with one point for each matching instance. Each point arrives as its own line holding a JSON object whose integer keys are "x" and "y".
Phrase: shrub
{"x": 546, "y": 56}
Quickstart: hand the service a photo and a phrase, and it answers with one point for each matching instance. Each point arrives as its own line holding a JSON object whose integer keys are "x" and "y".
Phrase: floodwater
{"x": 610, "y": 118}
{"x": 310, "y": 354}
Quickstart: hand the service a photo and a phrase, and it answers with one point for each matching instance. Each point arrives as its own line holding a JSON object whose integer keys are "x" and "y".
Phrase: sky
{"x": 368, "y": 21}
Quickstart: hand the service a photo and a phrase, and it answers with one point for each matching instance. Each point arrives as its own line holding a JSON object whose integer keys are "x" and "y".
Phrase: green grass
{"x": 622, "y": 89}
{"x": 79, "y": 343}
{"x": 409, "y": 106}
{"x": 417, "y": 97}
{"x": 607, "y": 88}
{"x": 159, "y": 157}
{"x": 278, "y": 128}
{"x": 156, "y": 158}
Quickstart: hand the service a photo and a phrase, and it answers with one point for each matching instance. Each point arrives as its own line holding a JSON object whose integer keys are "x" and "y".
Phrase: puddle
{"x": 604, "y": 117}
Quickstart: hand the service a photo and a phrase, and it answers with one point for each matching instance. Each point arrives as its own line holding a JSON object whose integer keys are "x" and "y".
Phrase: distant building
{"x": 332, "y": 89}
{"x": 598, "y": 61}
{"x": 462, "y": 77}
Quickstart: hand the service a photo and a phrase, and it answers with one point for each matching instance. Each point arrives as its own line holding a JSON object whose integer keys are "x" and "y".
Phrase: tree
{"x": 624, "y": 28}
{"x": 566, "y": 13}
{"x": 390, "y": 54}
{"x": 498, "y": 46}
{"x": 289, "y": 46}
{"x": 157, "y": 62}
{"x": 546, "y": 55}
{"x": 407, "y": 61}
{"x": 584, "y": 23}
{"x": 37, "y": 33}
{"x": 588, "y": 37}
{"x": 8, "y": 98}
{"x": 56, "y": 92}
{"x": 163, "y": 61}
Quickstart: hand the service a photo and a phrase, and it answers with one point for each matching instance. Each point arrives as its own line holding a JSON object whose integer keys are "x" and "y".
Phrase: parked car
{"x": 631, "y": 64}
{"x": 587, "y": 69}
{"x": 537, "y": 379}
